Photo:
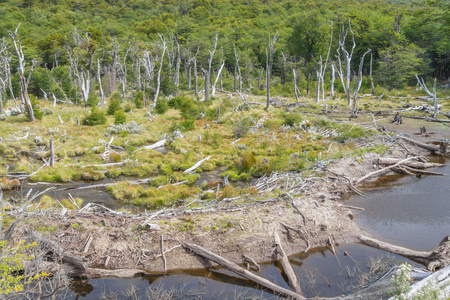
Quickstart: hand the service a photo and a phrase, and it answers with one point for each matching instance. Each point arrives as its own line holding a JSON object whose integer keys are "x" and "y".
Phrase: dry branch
{"x": 292, "y": 278}
{"x": 241, "y": 271}
{"x": 198, "y": 164}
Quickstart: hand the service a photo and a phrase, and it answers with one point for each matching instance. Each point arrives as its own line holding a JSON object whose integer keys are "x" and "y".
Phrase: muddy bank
{"x": 113, "y": 242}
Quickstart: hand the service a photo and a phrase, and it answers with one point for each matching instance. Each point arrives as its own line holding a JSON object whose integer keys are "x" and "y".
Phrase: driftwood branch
{"x": 197, "y": 165}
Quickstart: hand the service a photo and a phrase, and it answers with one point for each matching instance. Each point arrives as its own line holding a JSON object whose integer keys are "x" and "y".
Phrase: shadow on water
{"x": 406, "y": 210}
{"x": 320, "y": 273}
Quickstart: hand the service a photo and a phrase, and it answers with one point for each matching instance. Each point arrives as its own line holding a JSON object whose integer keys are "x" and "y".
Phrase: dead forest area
{"x": 222, "y": 182}
{"x": 147, "y": 147}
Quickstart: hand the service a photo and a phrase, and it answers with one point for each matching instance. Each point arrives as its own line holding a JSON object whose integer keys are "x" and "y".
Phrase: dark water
{"x": 320, "y": 273}
{"x": 406, "y": 210}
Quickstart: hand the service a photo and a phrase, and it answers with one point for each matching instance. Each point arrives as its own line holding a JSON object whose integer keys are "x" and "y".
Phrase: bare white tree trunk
{"x": 347, "y": 59}
{"x": 21, "y": 70}
{"x": 358, "y": 85}
{"x": 371, "y": 79}
{"x": 213, "y": 92}
{"x": 323, "y": 68}
{"x": 295, "y": 85}
{"x": 259, "y": 78}
{"x": 177, "y": 66}
{"x": 270, "y": 51}
{"x": 433, "y": 94}
{"x": 208, "y": 74}
{"x": 333, "y": 72}
{"x": 158, "y": 79}
{"x": 99, "y": 80}
{"x": 237, "y": 69}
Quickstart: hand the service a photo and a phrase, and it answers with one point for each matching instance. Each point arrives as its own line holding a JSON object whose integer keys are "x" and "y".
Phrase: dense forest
{"x": 69, "y": 43}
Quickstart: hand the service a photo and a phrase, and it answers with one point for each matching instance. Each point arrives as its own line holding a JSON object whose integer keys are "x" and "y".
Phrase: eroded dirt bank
{"x": 108, "y": 241}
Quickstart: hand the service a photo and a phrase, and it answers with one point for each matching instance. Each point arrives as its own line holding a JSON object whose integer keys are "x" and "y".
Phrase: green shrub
{"x": 247, "y": 161}
{"x": 241, "y": 127}
{"x": 37, "y": 111}
{"x": 189, "y": 109}
{"x": 92, "y": 100}
{"x": 161, "y": 106}
{"x": 292, "y": 118}
{"x": 175, "y": 102}
{"x": 127, "y": 108}
{"x": 139, "y": 99}
{"x": 120, "y": 117}
{"x": 96, "y": 117}
{"x": 114, "y": 103}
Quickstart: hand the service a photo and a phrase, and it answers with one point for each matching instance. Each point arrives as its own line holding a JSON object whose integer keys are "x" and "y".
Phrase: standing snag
{"x": 270, "y": 52}
{"x": 25, "y": 99}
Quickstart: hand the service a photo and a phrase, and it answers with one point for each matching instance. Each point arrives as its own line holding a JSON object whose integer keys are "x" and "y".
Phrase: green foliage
{"x": 12, "y": 259}
{"x": 139, "y": 100}
{"x": 120, "y": 117}
{"x": 402, "y": 281}
{"x": 183, "y": 126}
{"x": 37, "y": 110}
{"x": 127, "y": 108}
{"x": 189, "y": 109}
{"x": 92, "y": 100}
{"x": 161, "y": 106}
{"x": 96, "y": 117}
{"x": 399, "y": 64}
{"x": 292, "y": 118}
{"x": 114, "y": 103}
{"x": 248, "y": 160}
{"x": 175, "y": 102}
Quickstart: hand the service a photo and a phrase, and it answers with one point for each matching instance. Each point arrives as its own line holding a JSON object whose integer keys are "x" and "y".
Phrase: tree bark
{"x": 240, "y": 271}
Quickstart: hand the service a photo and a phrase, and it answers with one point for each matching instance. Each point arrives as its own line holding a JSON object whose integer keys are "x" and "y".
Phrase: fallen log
{"x": 198, "y": 164}
{"x": 412, "y": 164}
{"x": 437, "y": 258}
{"x": 383, "y": 170}
{"x": 292, "y": 278}
{"x": 153, "y": 146}
{"x": 429, "y": 147}
{"x": 241, "y": 271}
{"x": 422, "y": 171}
{"x": 96, "y": 186}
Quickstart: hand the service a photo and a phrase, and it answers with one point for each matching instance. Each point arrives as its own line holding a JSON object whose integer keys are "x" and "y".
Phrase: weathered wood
{"x": 198, "y": 164}
{"x": 51, "y": 162}
{"x": 422, "y": 145}
{"x": 154, "y": 215}
{"x": 412, "y": 164}
{"x": 292, "y": 278}
{"x": 383, "y": 170}
{"x": 96, "y": 186}
{"x": 414, "y": 254}
{"x": 241, "y": 271}
{"x": 162, "y": 253}
{"x": 153, "y": 146}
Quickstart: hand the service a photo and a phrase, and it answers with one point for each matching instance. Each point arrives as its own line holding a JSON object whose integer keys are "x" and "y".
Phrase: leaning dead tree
{"x": 270, "y": 52}
{"x": 25, "y": 99}
{"x": 237, "y": 71}
{"x": 433, "y": 94}
{"x": 219, "y": 74}
{"x": 347, "y": 57}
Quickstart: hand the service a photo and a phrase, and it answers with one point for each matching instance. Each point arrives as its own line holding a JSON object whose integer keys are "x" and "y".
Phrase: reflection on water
{"x": 320, "y": 273}
{"x": 406, "y": 210}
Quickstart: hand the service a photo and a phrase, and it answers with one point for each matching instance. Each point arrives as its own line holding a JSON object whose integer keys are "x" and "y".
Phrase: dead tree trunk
{"x": 237, "y": 70}
{"x": 21, "y": 71}
{"x": 323, "y": 68}
{"x": 371, "y": 79}
{"x": 51, "y": 161}
{"x": 358, "y": 86}
{"x": 333, "y": 72}
{"x": 424, "y": 87}
{"x": 270, "y": 51}
{"x": 261, "y": 70}
{"x": 208, "y": 72}
{"x": 240, "y": 271}
{"x": 194, "y": 59}
{"x": 347, "y": 56}
{"x": 295, "y": 85}
{"x": 158, "y": 79}
{"x": 99, "y": 79}
{"x": 114, "y": 54}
